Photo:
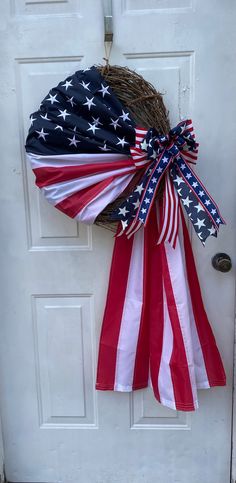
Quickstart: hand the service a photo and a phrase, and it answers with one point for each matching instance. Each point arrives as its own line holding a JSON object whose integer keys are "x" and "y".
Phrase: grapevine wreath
{"x": 102, "y": 151}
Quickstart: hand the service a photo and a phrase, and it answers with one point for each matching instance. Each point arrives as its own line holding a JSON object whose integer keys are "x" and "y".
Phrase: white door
{"x": 56, "y": 428}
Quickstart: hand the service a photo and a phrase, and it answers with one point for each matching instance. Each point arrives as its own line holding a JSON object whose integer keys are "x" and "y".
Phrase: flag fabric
{"x": 85, "y": 151}
{"x": 159, "y": 328}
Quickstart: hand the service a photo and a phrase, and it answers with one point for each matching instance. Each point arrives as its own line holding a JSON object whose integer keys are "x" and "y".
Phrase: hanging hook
{"x": 108, "y": 24}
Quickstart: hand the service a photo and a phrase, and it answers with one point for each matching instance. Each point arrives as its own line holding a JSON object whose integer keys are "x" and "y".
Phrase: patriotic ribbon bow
{"x": 170, "y": 156}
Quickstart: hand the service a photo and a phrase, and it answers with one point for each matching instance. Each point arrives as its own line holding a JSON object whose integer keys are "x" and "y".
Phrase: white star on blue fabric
{"x": 104, "y": 90}
{"x": 136, "y": 204}
{"x": 104, "y": 147}
{"x": 42, "y": 134}
{"x": 123, "y": 211}
{"x": 199, "y": 207}
{"x": 70, "y": 100}
{"x": 199, "y": 223}
{"x": 32, "y": 119}
{"x": 212, "y": 230}
{"x": 179, "y": 180}
{"x": 67, "y": 84}
{"x": 93, "y": 128}
{"x": 139, "y": 188}
{"x": 63, "y": 114}
{"x": 125, "y": 116}
{"x": 186, "y": 201}
{"x": 85, "y": 86}
{"x": 73, "y": 141}
{"x": 97, "y": 121}
{"x": 122, "y": 141}
{"x": 115, "y": 123}
{"x": 89, "y": 103}
{"x": 52, "y": 98}
{"x": 45, "y": 117}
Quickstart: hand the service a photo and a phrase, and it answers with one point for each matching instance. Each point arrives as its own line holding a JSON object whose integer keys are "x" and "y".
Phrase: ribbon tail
{"x": 199, "y": 206}
{"x": 128, "y": 211}
{"x": 209, "y": 367}
{"x": 159, "y": 322}
{"x": 169, "y": 214}
{"x": 123, "y": 361}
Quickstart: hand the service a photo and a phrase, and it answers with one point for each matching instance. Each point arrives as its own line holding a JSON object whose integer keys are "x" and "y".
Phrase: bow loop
{"x": 168, "y": 155}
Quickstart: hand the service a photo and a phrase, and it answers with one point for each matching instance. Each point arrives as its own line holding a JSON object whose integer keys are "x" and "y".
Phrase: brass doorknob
{"x": 222, "y": 262}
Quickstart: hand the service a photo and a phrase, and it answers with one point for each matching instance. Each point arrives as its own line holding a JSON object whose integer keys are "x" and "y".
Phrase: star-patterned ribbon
{"x": 172, "y": 153}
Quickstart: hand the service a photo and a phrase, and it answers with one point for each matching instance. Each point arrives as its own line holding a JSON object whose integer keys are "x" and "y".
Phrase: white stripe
{"x": 57, "y": 192}
{"x": 131, "y": 226}
{"x": 140, "y": 157}
{"x": 179, "y": 286}
{"x": 176, "y": 217}
{"x": 173, "y": 222}
{"x": 78, "y": 159}
{"x": 165, "y": 384}
{"x": 89, "y": 213}
{"x": 166, "y": 212}
{"x": 171, "y": 216}
{"x": 165, "y": 220}
{"x": 137, "y": 226}
{"x": 200, "y": 368}
{"x": 142, "y": 163}
{"x": 189, "y": 159}
{"x": 140, "y": 133}
{"x": 130, "y": 323}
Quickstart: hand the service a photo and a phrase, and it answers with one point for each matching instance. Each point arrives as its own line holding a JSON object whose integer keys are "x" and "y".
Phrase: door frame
{"x": 2, "y": 476}
{"x": 233, "y": 426}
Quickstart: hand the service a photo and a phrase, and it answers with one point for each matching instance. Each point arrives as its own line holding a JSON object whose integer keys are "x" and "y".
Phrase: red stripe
{"x": 45, "y": 176}
{"x": 177, "y": 229}
{"x": 188, "y": 122}
{"x": 214, "y": 366}
{"x": 178, "y": 363}
{"x": 189, "y": 155}
{"x": 154, "y": 300}
{"x": 74, "y": 203}
{"x": 141, "y": 368}
{"x": 113, "y": 313}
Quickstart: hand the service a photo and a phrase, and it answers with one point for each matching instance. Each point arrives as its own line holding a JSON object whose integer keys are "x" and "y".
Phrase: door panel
{"x": 57, "y": 428}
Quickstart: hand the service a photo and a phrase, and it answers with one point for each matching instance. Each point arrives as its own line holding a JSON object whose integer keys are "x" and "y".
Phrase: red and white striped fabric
{"x": 155, "y": 326}
{"x": 139, "y": 156}
{"x": 82, "y": 185}
{"x": 169, "y": 214}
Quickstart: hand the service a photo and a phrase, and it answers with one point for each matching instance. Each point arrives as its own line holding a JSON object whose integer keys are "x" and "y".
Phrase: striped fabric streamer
{"x": 159, "y": 328}
{"x": 169, "y": 214}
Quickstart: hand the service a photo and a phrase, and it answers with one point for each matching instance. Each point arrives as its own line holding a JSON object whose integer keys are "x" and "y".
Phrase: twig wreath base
{"x": 146, "y": 105}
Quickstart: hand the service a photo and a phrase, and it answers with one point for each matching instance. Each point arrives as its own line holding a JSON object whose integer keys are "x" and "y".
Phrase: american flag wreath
{"x": 85, "y": 149}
